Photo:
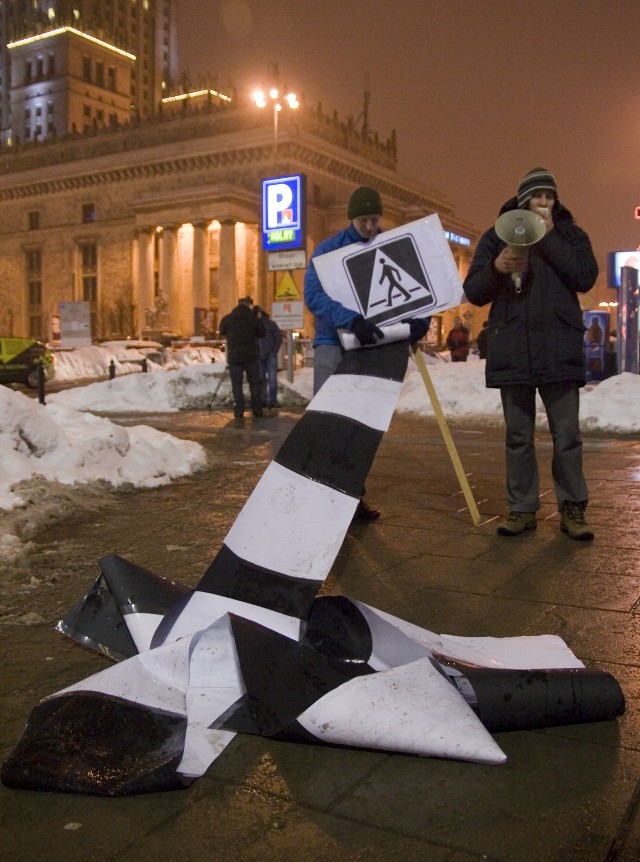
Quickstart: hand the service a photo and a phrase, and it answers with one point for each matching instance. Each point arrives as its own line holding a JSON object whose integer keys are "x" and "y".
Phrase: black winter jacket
{"x": 536, "y": 336}
{"x": 242, "y": 329}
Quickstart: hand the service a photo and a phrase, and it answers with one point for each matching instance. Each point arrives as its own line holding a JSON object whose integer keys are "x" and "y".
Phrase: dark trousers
{"x": 562, "y": 403}
{"x": 269, "y": 375}
{"x": 236, "y": 373}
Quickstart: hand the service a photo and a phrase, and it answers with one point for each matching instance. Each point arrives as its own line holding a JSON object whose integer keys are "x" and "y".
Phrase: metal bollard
{"x": 41, "y": 380}
{"x": 112, "y": 370}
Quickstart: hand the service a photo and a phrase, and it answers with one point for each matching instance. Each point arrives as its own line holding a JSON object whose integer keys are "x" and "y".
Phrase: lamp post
{"x": 277, "y": 102}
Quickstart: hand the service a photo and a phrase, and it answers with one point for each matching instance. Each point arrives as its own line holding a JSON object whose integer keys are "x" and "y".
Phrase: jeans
{"x": 326, "y": 358}
{"x": 269, "y": 379}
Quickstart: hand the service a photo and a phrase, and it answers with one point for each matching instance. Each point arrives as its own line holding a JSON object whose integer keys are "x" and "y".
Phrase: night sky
{"x": 478, "y": 91}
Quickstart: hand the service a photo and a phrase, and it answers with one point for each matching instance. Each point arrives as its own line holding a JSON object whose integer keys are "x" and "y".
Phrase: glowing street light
{"x": 278, "y": 102}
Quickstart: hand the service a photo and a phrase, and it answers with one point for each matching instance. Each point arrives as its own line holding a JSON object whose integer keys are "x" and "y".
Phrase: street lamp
{"x": 278, "y": 102}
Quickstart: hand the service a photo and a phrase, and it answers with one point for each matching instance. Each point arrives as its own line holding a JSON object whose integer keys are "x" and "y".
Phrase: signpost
{"x": 283, "y": 213}
{"x": 279, "y": 260}
{"x": 288, "y": 316}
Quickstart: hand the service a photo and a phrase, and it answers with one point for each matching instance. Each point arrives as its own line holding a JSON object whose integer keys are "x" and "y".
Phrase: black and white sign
{"x": 405, "y": 272}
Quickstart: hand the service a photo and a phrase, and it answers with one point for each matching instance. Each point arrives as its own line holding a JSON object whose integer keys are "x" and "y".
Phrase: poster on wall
{"x": 75, "y": 324}
{"x": 596, "y": 339}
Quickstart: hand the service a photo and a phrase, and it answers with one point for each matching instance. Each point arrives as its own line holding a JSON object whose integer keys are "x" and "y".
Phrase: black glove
{"x": 418, "y": 327}
{"x": 365, "y": 331}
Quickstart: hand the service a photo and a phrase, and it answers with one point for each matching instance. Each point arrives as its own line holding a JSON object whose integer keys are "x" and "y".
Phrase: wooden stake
{"x": 448, "y": 439}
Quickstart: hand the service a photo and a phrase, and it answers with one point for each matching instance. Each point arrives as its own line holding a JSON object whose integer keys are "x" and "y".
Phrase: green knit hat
{"x": 363, "y": 202}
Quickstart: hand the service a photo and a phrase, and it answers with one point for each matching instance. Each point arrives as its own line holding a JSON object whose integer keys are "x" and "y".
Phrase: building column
{"x": 228, "y": 295}
{"x": 200, "y": 267}
{"x": 145, "y": 298}
{"x": 169, "y": 274}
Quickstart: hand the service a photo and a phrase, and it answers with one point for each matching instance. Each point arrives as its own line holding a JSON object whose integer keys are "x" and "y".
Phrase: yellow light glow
{"x": 42, "y": 36}
{"x": 195, "y": 93}
{"x": 273, "y": 93}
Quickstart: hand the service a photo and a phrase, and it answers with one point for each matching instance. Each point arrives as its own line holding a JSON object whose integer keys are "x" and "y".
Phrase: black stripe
{"x": 282, "y": 677}
{"x": 95, "y": 744}
{"x": 331, "y": 449}
{"x": 388, "y": 361}
{"x": 339, "y": 629}
{"x": 230, "y": 576}
{"x": 526, "y": 699}
{"x": 97, "y": 622}
{"x": 138, "y": 590}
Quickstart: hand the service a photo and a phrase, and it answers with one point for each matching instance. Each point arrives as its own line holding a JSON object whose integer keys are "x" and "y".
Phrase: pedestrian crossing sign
{"x": 408, "y": 271}
{"x": 390, "y": 279}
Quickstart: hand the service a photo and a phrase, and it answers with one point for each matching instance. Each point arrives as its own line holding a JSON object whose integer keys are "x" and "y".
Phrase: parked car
{"x": 20, "y": 358}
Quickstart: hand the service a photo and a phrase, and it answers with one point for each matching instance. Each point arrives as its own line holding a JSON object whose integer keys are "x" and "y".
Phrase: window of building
{"x": 111, "y": 78}
{"x": 28, "y": 71}
{"x": 40, "y": 68}
{"x": 89, "y": 280}
{"x": 51, "y": 65}
{"x": 86, "y": 68}
{"x": 86, "y": 110}
{"x": 34, "y": 219}
{"x": 88, "y": 213}
{"x": 100, "y": 74}
{"x": 33, "y": 265}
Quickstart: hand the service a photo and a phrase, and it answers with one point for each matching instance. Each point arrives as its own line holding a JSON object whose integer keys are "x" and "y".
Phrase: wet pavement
{"x": 566, "y": 794}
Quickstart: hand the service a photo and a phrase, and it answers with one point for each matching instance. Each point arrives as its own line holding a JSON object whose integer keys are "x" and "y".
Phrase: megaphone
{"x": 520, "y": 229}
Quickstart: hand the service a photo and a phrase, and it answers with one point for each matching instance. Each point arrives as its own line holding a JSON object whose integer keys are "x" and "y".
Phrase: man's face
{"x": 541, "y": 199}
{"x": 366, "y": 225}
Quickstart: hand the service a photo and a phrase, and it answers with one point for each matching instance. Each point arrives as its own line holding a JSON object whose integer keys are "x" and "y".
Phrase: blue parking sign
{"x": 283, "y": 213}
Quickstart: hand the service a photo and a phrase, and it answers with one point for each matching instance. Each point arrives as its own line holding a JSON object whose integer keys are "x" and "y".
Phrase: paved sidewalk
{"x": 564, "y": 795}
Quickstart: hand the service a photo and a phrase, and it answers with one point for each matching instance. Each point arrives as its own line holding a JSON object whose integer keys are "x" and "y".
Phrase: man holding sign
{"x": 364, "y": 212}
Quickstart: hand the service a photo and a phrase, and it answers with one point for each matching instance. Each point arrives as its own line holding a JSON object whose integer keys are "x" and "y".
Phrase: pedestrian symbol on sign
{"x": 390, "y": 281}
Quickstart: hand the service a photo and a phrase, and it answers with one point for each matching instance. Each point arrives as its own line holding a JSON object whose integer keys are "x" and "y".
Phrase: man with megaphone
{"x": 531, "y": 266}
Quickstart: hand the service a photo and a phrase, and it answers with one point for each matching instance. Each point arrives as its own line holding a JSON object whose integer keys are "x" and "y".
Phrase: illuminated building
{"x": 119, "y": 190}
{"x": 109, "y": 55}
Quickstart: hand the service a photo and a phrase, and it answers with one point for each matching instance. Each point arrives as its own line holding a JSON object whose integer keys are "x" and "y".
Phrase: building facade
{"x": 152, "y": 221}
{"x": 64, "y": 65}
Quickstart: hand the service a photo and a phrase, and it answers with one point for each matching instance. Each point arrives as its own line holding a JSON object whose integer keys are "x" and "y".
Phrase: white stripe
{"x": 370, "y": 400}
{"x": 526, "y": 652}
{"x": 156, "y": 679}
{"x": 411, "y": 709}
{"x": 215, "y": 684}
{"x": 292, "y": 525}
{"x": 204, "y": 608}
{"x": 141, "y": 628}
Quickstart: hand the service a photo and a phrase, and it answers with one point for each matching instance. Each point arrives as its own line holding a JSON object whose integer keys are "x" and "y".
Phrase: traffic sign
{"x": 288, "y": 315}
{"x": 287, "y": 289}
{"x": 277, "y": 260}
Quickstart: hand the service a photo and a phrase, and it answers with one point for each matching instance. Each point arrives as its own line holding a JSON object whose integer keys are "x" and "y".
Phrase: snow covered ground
{"x": 69, "y": 442}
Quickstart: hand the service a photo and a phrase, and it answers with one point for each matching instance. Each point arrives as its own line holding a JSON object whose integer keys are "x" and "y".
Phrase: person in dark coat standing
{"x": 458, "y": 341}
{"x": 481, "y": 341}
{"x": 269, "y": 347}
{"x": 535, "y": 344}
{"x": 242, "y": 329}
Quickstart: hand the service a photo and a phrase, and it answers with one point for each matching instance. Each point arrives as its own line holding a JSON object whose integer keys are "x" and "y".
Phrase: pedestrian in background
{"x": 269, "y": 346}
{"x": 458, "y": 341}
{"x": 242, "y": 329}
{"x": 535, "y": 344}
